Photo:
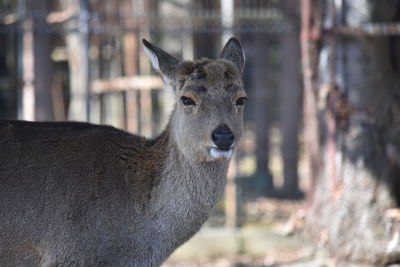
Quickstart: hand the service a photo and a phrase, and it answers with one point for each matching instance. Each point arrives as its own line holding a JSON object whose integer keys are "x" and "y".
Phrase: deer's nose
{"x": 222, "y": 137}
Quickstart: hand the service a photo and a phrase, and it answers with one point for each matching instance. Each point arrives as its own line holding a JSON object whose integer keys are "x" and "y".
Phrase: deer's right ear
{"x": 162, "y": 62}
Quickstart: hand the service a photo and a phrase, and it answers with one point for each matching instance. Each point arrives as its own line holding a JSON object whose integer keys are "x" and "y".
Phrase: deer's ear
{"x": 233, "y": 51}
{"x": 162, "y": 62}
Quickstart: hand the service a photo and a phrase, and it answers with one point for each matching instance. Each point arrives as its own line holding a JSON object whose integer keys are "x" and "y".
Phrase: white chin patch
{"x": 219, "y": 154}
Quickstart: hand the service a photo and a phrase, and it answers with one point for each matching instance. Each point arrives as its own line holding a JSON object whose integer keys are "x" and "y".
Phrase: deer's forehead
{"x": 209, "y": 76}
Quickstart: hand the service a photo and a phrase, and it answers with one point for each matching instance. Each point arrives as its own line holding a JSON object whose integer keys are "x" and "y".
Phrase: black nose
{"x": 223, "y": 137}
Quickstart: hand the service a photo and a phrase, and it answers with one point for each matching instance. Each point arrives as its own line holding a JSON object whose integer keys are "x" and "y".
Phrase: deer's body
{"x": 77, "y": 194}
{"x": 87, "y": 210}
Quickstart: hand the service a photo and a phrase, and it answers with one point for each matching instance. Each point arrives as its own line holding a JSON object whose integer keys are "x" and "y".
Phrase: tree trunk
{"x": 42, "y": 63}
{"x": 354, "y": 209}
{"x": 262, "y": 111}
{"x": 78, "y": 60}
{"x": 131, "y": 59}
{"x": 290, "y": 93}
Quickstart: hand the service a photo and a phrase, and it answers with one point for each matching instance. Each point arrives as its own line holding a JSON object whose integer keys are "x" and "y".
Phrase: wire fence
{"x": 108, "y": 79}
{"x": 202, "y": 16}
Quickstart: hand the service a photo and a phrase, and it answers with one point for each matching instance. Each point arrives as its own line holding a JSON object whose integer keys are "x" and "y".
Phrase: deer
{"x": 80, "y": 194}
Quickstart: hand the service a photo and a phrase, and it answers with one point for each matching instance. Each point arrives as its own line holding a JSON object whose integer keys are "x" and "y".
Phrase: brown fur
{"x": 77, "y": 194}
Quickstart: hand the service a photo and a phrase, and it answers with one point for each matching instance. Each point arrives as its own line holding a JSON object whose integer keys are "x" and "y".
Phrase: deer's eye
{"x": 187, "y": 101}
{"x": 241, "y": 101}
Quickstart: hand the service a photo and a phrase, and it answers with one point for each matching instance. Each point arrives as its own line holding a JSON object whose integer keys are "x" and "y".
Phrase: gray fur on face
{"x": 77, "y": 194}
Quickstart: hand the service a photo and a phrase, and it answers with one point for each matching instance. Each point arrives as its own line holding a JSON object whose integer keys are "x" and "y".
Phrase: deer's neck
{"x": 201, "y": 182}
{"x": 186, "y": 192}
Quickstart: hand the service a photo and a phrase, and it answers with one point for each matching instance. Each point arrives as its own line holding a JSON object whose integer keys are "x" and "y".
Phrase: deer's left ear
{"x": 233, "y": 51}
{"x": 162, "y": 62}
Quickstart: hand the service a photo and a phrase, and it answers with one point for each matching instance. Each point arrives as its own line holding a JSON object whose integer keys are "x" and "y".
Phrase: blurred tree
{"x": 262, "y": 117}
{"x": 43, "y": 65}
{"x": 8, "y": 66}
{"x": 352, "y": 90}
{"x": 205, "y": 43}
{"x": 290, "y": 93}
{"x": 36, "y": 61}
{"x": 131, "y": 59}
{"x": 78, "y": 60}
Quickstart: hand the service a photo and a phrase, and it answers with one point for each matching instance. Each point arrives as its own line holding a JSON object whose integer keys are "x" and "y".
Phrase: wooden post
{"x": 131, "y": 109}
{"x": 114, "y": 109}
{"x": 261, "y": 102}
{"x": 27, "y": 107}
{"x": 289, "y": 108}
{"x": 78, "y": 46}
{"x": 231, "y": 205}
{"x": 176, "y": 43}
{"x": 145, "y": 121}
{"x": 231, "y": 202}
{"x": 145, "y": 113}
{"x": 131, "y": 68}
{"x": 42, "y": 64}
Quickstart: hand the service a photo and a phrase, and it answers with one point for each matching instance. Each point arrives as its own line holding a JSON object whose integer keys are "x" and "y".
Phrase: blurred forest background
{"x": 316, "y": 179}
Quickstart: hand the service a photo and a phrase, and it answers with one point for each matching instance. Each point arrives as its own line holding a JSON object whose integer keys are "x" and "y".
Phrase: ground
{"x": 270, "y": 235}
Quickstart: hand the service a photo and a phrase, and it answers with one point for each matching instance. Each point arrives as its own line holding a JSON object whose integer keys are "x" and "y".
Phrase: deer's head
{"x": 207, "y": 122}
